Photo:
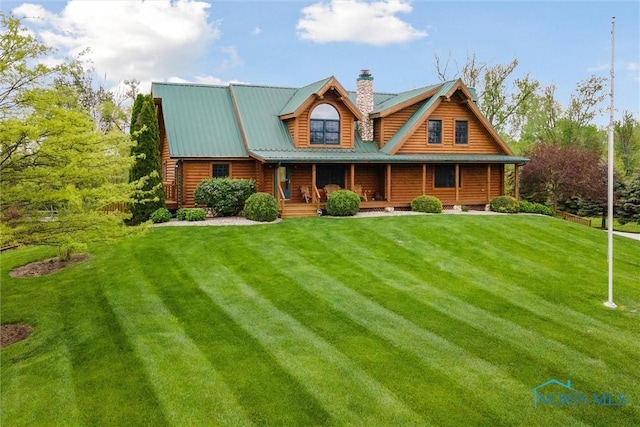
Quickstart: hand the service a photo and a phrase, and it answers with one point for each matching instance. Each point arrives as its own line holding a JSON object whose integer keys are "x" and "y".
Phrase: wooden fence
{"x": 574, "y": 218}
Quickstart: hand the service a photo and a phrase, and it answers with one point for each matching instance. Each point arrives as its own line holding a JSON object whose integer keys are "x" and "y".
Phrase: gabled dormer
{"x": 441, "y": 119}
{"x": 321, "y": 115}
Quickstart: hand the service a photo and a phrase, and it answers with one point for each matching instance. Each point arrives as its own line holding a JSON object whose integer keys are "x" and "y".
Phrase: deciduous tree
{"x": 557, "y": 173}
{"x": 60, "y": 175}
{"x": 627, "y": 143}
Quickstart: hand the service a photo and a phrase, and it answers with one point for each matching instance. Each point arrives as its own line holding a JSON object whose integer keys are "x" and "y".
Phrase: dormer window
{"x": 325, "y": 125}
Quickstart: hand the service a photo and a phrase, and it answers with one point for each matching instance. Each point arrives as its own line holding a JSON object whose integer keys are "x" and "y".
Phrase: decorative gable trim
{"x": 305, "y": 97}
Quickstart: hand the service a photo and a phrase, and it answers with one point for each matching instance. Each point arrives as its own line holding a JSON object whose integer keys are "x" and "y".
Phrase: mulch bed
{"x": 47, "y": 266}
{"x": 10, "y": 334}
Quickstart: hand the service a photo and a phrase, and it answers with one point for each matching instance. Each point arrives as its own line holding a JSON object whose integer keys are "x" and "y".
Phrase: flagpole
{"x": 610, "y": 148}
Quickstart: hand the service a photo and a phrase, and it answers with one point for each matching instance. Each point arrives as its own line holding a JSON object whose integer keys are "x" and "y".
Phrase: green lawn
{"x": 409, "y": 320}
{"x": 630, "y": 227}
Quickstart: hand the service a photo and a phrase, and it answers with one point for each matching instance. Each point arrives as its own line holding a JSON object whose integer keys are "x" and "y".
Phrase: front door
{"x": 284, "y": 179}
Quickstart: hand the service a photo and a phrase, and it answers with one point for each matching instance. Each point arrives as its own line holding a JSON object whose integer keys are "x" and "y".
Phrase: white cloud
{"x": 233, "y": 58}
{"x": 357, "y": 21}
{"x": 128, "y": 39}
{"x": 205, "y": 80}
{"x": 256, "y": 31}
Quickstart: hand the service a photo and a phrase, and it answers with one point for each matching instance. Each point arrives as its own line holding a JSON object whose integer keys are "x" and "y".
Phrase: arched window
{"x": 325, "y": 125}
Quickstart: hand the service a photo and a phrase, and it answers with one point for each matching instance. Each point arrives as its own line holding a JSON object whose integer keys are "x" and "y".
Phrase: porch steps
{"x": 298, "y": 210}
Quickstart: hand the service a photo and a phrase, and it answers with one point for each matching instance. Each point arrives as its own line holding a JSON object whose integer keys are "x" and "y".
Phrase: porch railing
{"x": 170, "y": 191}
{"x": 281, "y": 198}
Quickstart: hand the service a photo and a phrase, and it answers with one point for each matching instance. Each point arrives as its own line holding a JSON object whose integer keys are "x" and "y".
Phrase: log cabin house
{"x": 392, "y": 146}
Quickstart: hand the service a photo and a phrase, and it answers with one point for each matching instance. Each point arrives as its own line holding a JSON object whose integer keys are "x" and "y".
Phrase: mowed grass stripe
{"x": 268, "y": 394}
{"x": 489, "y": 382}
{"x": 443, "y": 260}
{"x": 411, "y": 379}
{"x": 187, "y": 386}
{"x": 558, "y": 356}
{"x": 347, "y": 393}
{"x": 103, "y": 360}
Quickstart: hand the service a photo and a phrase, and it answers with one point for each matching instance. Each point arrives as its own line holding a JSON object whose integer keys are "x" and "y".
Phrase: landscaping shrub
{"x": 537, "y": 208}
{"x": 343, "y": 203}
{"x": 225, "y": 196}
{"x": 181, "y": 214}
{"x": 160, "y": 215}
{"x": 261, "y": 207}
{"x": 504, "y": 204}
{"x": 428, "y": 204}
{"x": 195, "y": 215}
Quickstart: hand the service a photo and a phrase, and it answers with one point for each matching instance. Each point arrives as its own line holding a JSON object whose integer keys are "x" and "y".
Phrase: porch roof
{"x": 354, "y": 156}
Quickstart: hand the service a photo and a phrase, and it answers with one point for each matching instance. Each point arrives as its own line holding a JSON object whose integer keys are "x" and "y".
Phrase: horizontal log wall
{"x": 371, "y": 178}
{"x": 480, "y": 140}
{"x": 406, "y": 183}
{"x": 300, "y": 175}
{"x": 390, "y": 125}
{"x": 193, "y": 172}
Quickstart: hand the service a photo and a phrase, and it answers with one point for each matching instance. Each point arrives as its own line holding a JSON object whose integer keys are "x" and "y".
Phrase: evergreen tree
{"x": 146, "y": 170}
{"x": 629, "y": 208}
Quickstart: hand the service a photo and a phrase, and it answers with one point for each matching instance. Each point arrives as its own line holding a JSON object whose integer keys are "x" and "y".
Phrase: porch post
{"x": 388, "y": 183}
{"x": 352, "y": 176}
{"x": 488, "y": 182}
{"x": 313, "y": 183}
{"x": 516, "y": 182}
{"x": 424, "y": 178}
{"x": 457, "y": 182}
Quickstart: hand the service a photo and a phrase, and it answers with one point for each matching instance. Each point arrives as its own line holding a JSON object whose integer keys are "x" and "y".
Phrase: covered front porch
{"x": 301, "y": 189}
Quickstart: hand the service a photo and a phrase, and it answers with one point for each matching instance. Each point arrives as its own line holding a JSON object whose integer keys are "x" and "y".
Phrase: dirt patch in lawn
{"x": 47, "y": 266}
{"x": 11, "y": 334}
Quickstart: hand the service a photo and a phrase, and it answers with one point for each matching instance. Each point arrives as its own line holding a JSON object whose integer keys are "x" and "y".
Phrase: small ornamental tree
{"x": 63, "y": 181}
{"x": 557, "y": 173}
{"x": 146, "y": 171}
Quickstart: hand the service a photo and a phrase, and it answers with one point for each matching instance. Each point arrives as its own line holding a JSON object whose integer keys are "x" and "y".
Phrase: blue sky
{"x": 293, "y": 43}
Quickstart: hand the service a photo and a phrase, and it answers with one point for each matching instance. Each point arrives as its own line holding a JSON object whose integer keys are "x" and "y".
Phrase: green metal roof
{"x": 313, "y": 155}
{"x": 258, "y": 110}
{"x": 403, "y": 97}
{"x": 301, "y": 95}
{"x": 199, "y": 120}
{"x": 239, "y": 120}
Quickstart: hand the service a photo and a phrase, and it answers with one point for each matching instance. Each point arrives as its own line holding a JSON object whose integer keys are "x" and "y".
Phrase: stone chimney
{"x": 364, "y": 102}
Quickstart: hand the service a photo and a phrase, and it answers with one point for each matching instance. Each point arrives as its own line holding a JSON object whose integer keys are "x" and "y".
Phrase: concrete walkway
{"x": 635, "y": 236}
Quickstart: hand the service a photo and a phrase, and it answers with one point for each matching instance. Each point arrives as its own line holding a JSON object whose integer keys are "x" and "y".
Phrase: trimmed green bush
{"x": 537, "y": 208}
{"x": 195, "y": 215}
{"x": 160, "y": 215}
{"x": 181, "y": 214}
{"x": 261, "y": 207}
{"x": 225, "y": 196}
{"x": 343, "y": 203}
{"x": 428, "y": 204}
{"x": 504, "y": 204}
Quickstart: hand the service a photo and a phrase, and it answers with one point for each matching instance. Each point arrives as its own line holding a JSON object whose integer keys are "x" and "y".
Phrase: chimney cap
{"x": 365, "y": 75}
